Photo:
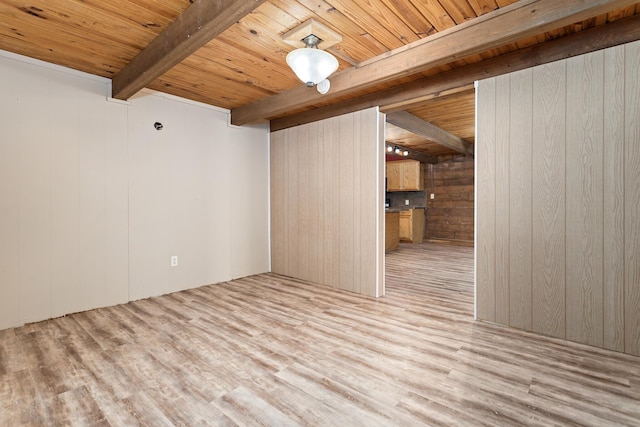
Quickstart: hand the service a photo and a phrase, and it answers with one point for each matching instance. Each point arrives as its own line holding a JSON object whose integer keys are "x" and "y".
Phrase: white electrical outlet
{"x": 174, "y": 261}
{"x": 406, "y": 202}
{"x": 433, "y": 196}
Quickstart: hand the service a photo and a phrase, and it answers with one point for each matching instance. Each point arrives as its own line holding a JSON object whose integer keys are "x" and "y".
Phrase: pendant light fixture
{"x": 313, "y": 65}
{"x": 309, "y": 63}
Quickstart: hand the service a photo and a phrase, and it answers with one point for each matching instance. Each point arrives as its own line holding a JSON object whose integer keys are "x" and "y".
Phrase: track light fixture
{"x": 397, "y": 150}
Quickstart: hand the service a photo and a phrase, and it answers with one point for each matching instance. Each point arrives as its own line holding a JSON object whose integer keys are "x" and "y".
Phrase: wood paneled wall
{"x": 450, "y": 214}
{"x": 558, "y": 199}
{"x": 327, "y": 218}
{"x": 94, "y": 201}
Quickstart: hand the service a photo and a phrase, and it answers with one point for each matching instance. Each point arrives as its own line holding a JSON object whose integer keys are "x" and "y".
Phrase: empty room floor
{"x": 269, "y": 350}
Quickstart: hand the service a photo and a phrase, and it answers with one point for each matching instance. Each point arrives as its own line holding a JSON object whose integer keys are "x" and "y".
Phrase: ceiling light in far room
{"x": 397, "y": 150}
{"x": 312, "y": 65}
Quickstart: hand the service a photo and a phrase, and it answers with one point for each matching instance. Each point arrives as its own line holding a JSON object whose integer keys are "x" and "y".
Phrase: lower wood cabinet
{"x": 391, "y": 224}
{"x": 411, "y": 225}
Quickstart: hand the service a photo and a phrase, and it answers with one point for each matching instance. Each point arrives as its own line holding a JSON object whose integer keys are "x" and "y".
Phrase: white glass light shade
{"x": 312, "y": 65}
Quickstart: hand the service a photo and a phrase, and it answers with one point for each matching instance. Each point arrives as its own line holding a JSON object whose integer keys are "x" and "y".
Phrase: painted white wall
{"x": 94, "y": 201}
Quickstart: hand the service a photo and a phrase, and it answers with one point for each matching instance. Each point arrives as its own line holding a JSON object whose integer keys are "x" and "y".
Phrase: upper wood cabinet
{"x": 405, "y": 175}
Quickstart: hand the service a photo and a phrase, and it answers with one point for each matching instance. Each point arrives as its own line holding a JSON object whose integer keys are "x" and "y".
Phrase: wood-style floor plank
{"x": 271, "y": 350}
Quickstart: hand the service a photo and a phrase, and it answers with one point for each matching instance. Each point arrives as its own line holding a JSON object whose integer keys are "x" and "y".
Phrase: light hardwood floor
{"x": 268, "y": 350}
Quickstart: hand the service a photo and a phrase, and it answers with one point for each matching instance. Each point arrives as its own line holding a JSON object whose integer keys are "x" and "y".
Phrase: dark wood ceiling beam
{"x": 521, "y": 19}
{"x": 416, "y": 155}
{"x": 459, "y": 79}
{"x": 408, "y": 121}
{"x": 201, "y": 22}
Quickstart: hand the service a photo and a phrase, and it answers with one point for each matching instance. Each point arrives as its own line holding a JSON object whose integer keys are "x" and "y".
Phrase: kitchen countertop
{"x": 403, "y": 209}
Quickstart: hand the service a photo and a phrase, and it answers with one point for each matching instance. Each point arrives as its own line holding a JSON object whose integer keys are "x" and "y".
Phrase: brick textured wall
{"x": 450, "y": 215}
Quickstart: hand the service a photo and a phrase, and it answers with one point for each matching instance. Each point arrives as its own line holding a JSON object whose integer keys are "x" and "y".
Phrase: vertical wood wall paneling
{"x": 312, "y": 162}
{"x": 92, "y": 199}
{"x": 348, "y": 226}
{"x": 520, "y": 188}
{"x": 485, "y": 197}
{"x": 147, "y": 213}
{"x": 304, "y": 142}
{"x": 613, "y": 198}
{"x": 277, "y": 172}
{"x": 380, "y": 162}
{"x": 293, "y": 203}
{"x": 9, "y": 199}
{"x": 548, "y": 249}
{"x": 320, "y": 166}
{"x": 574, "y": 193}
{"x": 358, "y": 226}
{"x": 366, "y": 128}
{"x": 450, "y": 215}
{"x": 331, "y": 174}
{"x": 584, "y": 215}
{"x": 117, "y": 205}
{"x": 34, "y": 161}
{"x": 66, "y": 294}
{"x": 331, "y": 191}
{"x": 632, "y": 199}
{"x": 248, "y": 195}
{"x": 502, "y": 269}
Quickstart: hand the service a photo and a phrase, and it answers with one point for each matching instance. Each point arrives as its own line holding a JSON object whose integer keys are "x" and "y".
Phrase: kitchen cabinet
{"x": 405, "y": 175}
{"x": 411, "y": 225}
{"x": 391, "y": 236}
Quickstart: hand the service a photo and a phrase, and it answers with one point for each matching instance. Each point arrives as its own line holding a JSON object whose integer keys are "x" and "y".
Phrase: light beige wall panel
{"x": 348, "y": 225}
{"x": 632, "y": 198}
{"x": 358, "y": 226}
{"x": 66, "y": 296}
{"x": 250, "y": 199}
{"x": 584, "y": 199}
{"x": 180, "y": 196}
{"x": 367, "y": 128}
{"x": 149, "y": 257}
{"x": 332, "y": 193}
{"x": 574, "y": 198}
{"x": 313, "y": 195}
{"x": 200, "y": 232}
{"x": 331, "y": 235}
{"x": 92, "y": 202}
{"x": 293, "y": 199}
{"x": 117, "y": 205}
{"x": 68, "y": 185}
{"x": 485, "y": 201}
{"x": 9, "y": 197}
{"x": 278, "y": 207}
{"x": 381, "y": 165}
{"x": 34, "y": 245}
{"x": 549, "y": 89}
{"x": 520, "y": 183}
{"x": 502, "y": 237}
{"x": 305, "y": 141}
{"x": 613, "y": 198}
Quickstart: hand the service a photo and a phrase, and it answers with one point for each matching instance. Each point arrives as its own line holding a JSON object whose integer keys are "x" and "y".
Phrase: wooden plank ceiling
{"x": 231, "y": 54}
